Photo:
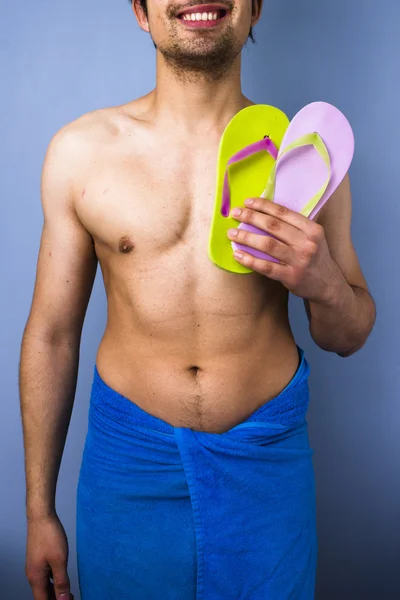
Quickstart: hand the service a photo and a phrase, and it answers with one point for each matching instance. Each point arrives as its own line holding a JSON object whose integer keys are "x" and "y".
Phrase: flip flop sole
{"x": 302, "y": 171}
{"x": 294, "y": 185}
{"x": 247, "y": 178}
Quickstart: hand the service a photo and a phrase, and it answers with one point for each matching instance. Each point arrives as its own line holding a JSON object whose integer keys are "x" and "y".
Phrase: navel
{"x": 194, "y": 370}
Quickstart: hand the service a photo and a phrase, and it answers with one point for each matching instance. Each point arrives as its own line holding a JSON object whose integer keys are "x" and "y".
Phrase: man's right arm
{"x": 50, "y": 347}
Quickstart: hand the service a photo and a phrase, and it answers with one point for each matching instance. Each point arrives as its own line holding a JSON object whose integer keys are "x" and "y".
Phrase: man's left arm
{"x": 342, "y": 322}
{"x": 316, "y": 261}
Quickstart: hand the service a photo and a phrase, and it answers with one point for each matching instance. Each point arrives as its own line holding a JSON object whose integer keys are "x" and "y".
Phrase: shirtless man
{"x": 192, "y": 345}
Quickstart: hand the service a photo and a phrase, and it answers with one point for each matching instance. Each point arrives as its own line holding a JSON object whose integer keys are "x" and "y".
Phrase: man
{"x": 191, "y": 353}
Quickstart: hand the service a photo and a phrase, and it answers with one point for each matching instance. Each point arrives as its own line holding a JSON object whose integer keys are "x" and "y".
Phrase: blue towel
{"x": 171, "y": 513}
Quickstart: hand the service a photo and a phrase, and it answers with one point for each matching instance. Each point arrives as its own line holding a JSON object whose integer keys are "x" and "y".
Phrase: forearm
{"x": 48, "y": 374}
{"x": 344, "y": 320}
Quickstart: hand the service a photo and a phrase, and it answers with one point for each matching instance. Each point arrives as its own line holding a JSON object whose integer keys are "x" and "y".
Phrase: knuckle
{"x": 274, "y": 224}
{"x": 316, "y": 232}
{"x": 308, "y": 250}
{"x": 61, "y": 582}
{"x": 61, "y": 587}
{"x": 34, "y": 576}
{"x": 270, "y": 244}
{"x": 243, "y": 235}
{"x": 281, "y": 210}
{"x": 267, "y": 267}
{"x": 31, "y": 569}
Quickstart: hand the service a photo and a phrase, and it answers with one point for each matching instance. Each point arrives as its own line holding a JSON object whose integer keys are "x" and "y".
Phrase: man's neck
{"x": 195, "y": 103}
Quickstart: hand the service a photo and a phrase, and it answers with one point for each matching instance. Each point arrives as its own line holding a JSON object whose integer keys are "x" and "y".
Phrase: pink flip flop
{"x": 314, "y": 157}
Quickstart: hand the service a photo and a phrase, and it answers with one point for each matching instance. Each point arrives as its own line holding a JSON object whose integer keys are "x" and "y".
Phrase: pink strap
{"x": 265, "y": 144}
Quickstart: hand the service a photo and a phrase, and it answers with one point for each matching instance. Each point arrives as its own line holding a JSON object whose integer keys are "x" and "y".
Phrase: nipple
{"x": 125, "y": 245}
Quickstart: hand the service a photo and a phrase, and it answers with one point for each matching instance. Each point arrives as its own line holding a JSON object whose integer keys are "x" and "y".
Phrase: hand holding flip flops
{"x": 316, "y": 150}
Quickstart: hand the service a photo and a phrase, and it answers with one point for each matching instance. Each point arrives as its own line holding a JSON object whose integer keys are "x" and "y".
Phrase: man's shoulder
{"x": 74, "y": 146}
{"x": 91, "y": 127}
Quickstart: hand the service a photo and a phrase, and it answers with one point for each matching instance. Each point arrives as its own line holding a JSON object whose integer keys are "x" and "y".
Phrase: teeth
{"x": 201, "y": 17}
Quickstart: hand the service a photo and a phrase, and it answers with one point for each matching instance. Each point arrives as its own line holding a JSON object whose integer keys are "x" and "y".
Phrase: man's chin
{"x": 212, "y": 57}
{"x": 200, "y": 47}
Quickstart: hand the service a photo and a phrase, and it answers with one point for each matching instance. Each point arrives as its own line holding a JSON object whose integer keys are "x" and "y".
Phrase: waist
{"x": 212, "y": 402}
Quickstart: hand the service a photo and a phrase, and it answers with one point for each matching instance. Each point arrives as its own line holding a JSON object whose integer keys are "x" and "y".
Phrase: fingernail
{"x": 237, "y": 254}
{"x": 236, "y": 212}
{"x": 64, "y": 596}
{"x": 232, "y": 232}
{"x": 249, "y": 201}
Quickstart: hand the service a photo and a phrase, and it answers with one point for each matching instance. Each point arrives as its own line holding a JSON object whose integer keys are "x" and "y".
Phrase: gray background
{"x": 61, "y": 59}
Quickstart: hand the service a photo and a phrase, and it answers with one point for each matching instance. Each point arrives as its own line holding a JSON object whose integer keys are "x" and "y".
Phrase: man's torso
{"x": 190, "y": 343}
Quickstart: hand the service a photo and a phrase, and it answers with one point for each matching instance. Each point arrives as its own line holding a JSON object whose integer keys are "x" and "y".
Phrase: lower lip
{"x": 201, "y": 24}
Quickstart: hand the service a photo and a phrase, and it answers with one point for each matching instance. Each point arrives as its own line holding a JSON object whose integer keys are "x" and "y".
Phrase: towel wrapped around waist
{"x": 170, "y": 513}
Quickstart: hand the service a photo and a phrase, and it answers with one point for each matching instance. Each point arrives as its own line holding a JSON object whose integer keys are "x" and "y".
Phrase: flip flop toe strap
{"x": 310, "y": 139}
{"x": 265, "y": 144}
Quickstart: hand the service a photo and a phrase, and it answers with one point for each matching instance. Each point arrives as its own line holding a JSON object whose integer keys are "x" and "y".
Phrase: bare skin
{"x": 132, "y": 188}
{"x": 179, "y": 329}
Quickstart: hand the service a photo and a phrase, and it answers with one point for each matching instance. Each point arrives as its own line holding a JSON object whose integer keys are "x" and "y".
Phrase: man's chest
{"x": 148, "y": 204}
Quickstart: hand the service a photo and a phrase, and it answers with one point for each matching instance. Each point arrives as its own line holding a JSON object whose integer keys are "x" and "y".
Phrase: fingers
{"x": 53, "y": 596}
{"x": 61, "y": 580}
{"x": 39, "y": 580}
{"x": 279, "y": 212}
{"x": 280, "y": 229}
{"x": 277, "y": 271}
{"x": 40, "y": 587}
{"x": 264, "y": 243}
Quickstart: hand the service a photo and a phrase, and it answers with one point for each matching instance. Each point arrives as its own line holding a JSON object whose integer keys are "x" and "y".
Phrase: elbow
{"x": 356, "y": 347}
{"x": 340, "y": 350}
{"x": 49, "y": 335}
{"x": 342, "y": 347}
{"x": 347, "y": 353}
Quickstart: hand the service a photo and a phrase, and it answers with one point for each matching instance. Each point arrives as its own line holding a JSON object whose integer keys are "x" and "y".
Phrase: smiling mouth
{"x": 203, "y": 15}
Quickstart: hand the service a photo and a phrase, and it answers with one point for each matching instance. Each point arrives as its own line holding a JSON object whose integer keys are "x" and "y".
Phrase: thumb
{"x": 61, "y": 583}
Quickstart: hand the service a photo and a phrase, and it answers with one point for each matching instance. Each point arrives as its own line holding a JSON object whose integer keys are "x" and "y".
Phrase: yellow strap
{"x": 310, "y": 139}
